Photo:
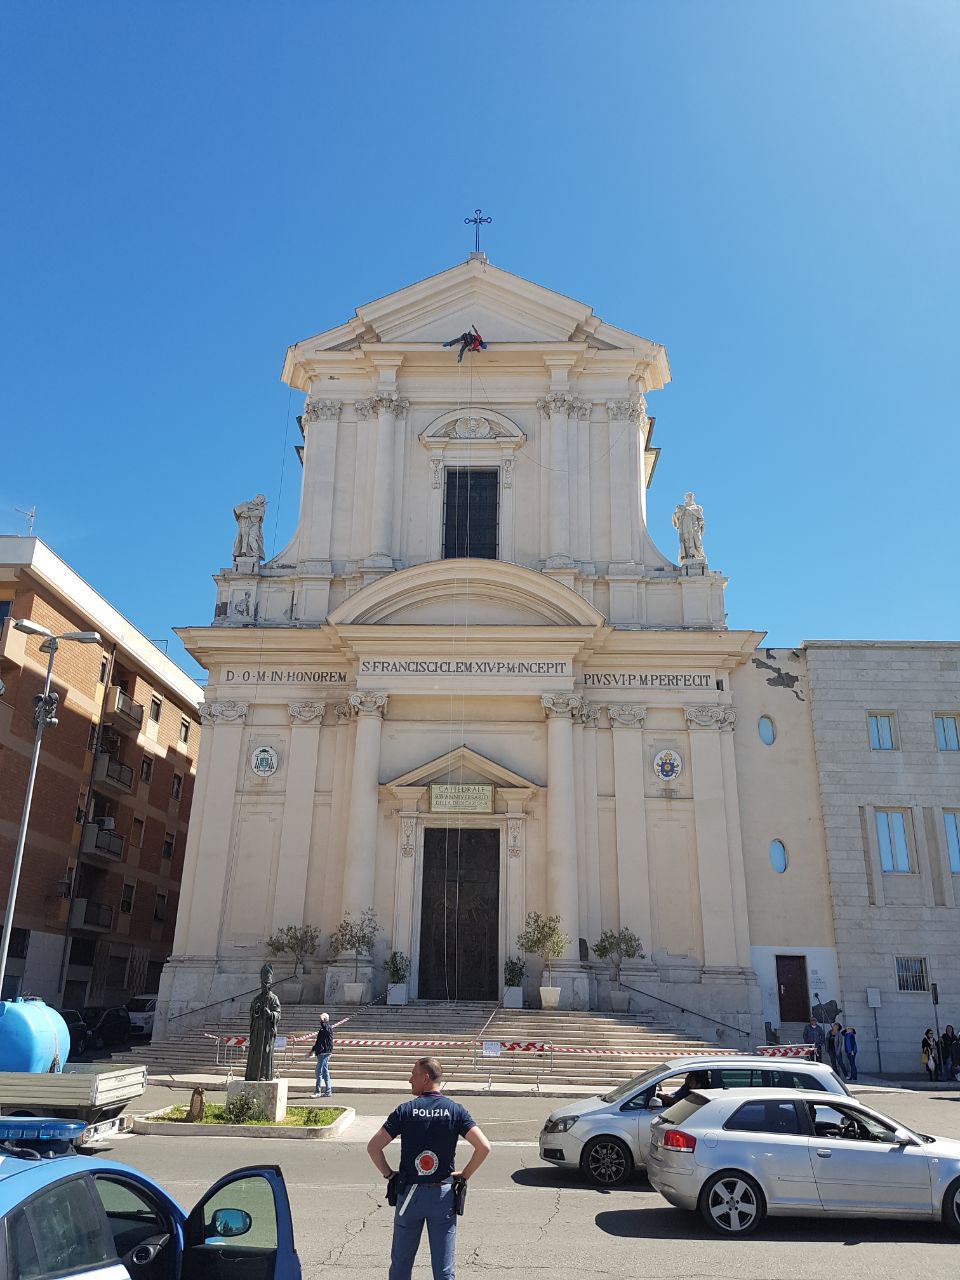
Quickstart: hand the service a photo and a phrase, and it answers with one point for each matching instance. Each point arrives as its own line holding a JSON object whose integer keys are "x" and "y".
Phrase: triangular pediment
{"x": 462, "y": 765}
{"x": 504, "y": 308}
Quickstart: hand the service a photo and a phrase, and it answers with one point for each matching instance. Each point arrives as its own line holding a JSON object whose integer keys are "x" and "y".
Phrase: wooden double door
{"x": 460, "y": 914}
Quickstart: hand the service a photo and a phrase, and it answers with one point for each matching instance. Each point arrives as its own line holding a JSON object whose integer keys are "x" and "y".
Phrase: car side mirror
{"x": 230, "y": 1222}
{"x": 655, "y": 1103}
{"x": 904, "y": 1139}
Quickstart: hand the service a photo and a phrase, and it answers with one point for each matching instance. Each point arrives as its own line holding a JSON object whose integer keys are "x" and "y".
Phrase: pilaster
{"x": 563, "y": 898}
{"x": 633, "y": 858}
{"x": 290, "y": 899}
{"x": 705, "y": 725}
{"x": 362, "y": 822}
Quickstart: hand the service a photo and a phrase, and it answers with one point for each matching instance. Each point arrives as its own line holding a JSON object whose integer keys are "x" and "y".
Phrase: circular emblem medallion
{"x": 668, "y": 766}
{"x": 426, "y": 1163}
{"x": 264, "y": 762}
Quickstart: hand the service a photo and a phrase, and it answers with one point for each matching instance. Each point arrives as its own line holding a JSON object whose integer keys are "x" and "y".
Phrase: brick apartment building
{"x": 103, "y": 862}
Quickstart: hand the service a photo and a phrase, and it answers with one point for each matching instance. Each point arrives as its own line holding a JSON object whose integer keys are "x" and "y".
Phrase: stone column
{"x": 204, "y": 886}
{"x": 290, "y": 896}
{"x": 321, "y": 420}
{"x": 361, "y": 850}
{"x": 621, "y": 419}
{"x": 588, "y": 828}
{"x": 717, "y": 904}
{"x": 557, "y": 405}
{"x": 563, "y": 898}
{"x": 633, "y": 860}
{"x": 389, "y": 408}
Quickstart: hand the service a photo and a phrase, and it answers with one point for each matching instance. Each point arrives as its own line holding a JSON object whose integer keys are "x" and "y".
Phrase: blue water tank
{"x": 33, "y": 1037}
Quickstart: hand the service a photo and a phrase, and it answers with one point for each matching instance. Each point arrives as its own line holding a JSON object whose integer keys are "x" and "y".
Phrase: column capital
{"x": 627, "y": 713}
{"x": 329, "y": 409}
{"x": 561, "y": 706}
{"x": 580, "y": 408}
{"x": 365, "y": 408}
{"x": 344, "y": 712}
{"x": 710, "y": 717}
{"x": 228, "y": 711}
{"x": 306, "y": 712}
{"x": 631, "y": 410}
{"x": 556, "y": 402}
{"x": 368, "y": 704}
{"x": 588, "y": 715}
{"x": 390, "y": 402}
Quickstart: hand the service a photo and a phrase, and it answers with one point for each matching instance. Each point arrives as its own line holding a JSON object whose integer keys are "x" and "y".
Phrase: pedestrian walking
{"x": 426, "y": 1188}
{"x": 813, "y": 1034}
{"x": 835, "y": 1049}
{"x": 929, "y": 1054}
{"x": 851, "y": 1049}
{"x": 323, "y": 1048}
{"x": 949, "y": 1053}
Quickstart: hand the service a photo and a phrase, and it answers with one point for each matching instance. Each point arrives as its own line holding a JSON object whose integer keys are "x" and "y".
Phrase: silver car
{"x": 739, "y": 1155}
{"x": 607, "y": 1137}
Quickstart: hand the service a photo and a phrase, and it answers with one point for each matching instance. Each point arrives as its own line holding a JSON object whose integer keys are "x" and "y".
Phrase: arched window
{"x": 767, "y": 731}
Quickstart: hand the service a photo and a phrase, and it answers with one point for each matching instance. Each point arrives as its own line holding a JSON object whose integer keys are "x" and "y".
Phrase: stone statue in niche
{"x": 264, "y": 1020}
{"x": 248, "y": 544}
{"x": 688, "y": 522}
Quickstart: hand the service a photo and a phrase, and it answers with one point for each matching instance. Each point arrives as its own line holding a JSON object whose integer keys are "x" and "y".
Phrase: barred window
{"x": 912, "y": 973}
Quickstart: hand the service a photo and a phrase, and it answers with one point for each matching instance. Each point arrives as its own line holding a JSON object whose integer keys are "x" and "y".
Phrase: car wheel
{"x": 606, "y": 1162}
{"x": 732, "y": 1203}
{"x": 951, "y": 1207}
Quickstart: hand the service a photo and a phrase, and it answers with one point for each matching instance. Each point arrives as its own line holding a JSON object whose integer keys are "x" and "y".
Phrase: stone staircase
{"x": 591, "y": 1050}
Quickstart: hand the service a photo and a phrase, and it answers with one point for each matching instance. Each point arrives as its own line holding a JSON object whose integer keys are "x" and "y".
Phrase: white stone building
{"x": 472, "y": 597}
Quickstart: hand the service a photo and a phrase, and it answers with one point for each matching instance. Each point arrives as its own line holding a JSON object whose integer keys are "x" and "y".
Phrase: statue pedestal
{"x": 245, "y": 565}
{"x": 271, "y": 1094}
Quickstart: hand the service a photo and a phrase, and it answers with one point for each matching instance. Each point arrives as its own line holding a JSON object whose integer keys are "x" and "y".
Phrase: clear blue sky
{"x": 771, "y": 190}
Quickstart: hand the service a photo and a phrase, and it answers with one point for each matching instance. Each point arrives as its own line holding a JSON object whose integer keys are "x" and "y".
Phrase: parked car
{"x": 107, "y": 1026}
{"x": 79, "y": 1031}
{"x": 82, "y": 1216}
{"x": 740, "y": 1155}
{"x": 607, "y": 1137}
{"x": 142, "y": 1010}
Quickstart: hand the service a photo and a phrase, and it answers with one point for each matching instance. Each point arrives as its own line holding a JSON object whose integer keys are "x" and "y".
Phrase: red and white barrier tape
{"x": 785, "y": 1050}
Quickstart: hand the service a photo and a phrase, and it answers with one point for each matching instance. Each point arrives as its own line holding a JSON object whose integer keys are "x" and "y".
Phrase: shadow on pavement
{"x": 557, "y": 1178}
{"x": 675, "y": 1224}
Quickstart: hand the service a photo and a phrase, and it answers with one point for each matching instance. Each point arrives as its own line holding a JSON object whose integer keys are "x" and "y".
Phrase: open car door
{"x": 242, "y": 1230}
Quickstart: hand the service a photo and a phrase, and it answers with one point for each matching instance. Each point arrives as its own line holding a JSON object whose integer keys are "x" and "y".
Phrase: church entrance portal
{"x": 459, "y": 921}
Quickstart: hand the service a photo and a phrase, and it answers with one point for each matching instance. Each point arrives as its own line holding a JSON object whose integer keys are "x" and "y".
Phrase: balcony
{"x": 110, "y": 773}
{"x": 122, "y": 712}
{"x": 96, "y": 841}
{"x": 86, "y": 914}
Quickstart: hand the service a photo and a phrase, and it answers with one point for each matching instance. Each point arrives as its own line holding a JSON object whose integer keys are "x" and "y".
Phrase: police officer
{"x": 428, "y": 1128}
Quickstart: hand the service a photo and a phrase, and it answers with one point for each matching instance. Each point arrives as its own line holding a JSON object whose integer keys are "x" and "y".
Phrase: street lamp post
{"x": 45, "y": 713}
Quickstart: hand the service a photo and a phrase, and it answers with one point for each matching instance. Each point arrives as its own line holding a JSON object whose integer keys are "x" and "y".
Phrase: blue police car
{"x": 65, "y": 1215}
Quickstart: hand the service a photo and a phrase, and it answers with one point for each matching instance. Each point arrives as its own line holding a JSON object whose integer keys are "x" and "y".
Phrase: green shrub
{"x": 243, "y": 1108}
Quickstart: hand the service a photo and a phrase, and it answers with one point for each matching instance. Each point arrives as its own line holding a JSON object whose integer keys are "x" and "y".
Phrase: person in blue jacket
{"x": 427, "y": 1184}
{"x": 850, "y": 1049}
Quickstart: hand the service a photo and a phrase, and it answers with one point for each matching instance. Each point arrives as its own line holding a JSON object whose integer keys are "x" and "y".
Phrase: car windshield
{"x": 140, "y": 1005}
{"x": 631, "y": 1086}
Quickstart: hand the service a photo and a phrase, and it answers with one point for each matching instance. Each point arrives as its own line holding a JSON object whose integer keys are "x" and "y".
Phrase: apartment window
{"x": 953, "y": 839}
{"x": 136, "y": 833}
{"x": 5, "y": 607}
{"x": 155, "y": 708}
{"x": 126, "y": 899}
{"x": 176, "y": 787}
{"x": 882, "y": 730}
{"x": 146, "y": 768}
{"x": 470, "y": 513}
{"x": 82, "y": 805}
{"x": 104, "y": 668}
{"x": 92, "y": 737}
{"x": 184, "y": 730}
{"x": 948, "y": 738}
{"x": 116, "y": 975}
{"x": 19, "y": 942}
{"x": 167, "y": 851}
{"x": 912, "y": 973}
{"x": 160, "y": 907}
{"x": 892, "y": 838}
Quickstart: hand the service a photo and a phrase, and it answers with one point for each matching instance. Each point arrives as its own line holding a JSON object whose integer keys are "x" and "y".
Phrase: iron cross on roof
{"x": 477, "y": 221}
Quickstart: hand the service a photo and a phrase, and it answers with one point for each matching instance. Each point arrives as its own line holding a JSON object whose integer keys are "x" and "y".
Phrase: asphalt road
{"x": 526, "y": 1218}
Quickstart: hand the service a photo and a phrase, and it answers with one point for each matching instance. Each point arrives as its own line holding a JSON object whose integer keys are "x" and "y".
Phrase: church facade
{"x": 473, "y": 686}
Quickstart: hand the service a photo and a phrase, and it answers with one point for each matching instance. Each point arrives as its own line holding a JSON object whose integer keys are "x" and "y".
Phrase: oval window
{"x": 778, "y": 856}
{"x": 767, "y": 731}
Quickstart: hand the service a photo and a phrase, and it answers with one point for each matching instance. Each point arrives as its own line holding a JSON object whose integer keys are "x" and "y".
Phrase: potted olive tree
{"x": 398, "y": 970}
{"x": 358, "y": 937}
{"x": 301, "y": 942}
{"x": 543, "y": 936}
{"x": 617, "y": 946}
{"x": 513, "y": 971}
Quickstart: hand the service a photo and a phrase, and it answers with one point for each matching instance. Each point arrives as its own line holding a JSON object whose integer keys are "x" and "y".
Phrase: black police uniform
{"x": 428, "y": 1128}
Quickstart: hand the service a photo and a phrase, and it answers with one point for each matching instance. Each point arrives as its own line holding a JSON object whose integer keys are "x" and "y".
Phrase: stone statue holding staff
{"x": 248, "y": 544}
{"x": 688, "y": 522}
{"x": 264, "y": 1020}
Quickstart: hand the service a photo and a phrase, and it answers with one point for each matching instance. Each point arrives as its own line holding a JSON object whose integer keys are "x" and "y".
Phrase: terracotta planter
{"x": 549, "y": 997}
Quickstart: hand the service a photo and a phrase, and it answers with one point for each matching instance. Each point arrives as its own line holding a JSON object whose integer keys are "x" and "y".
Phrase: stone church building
{"x": 474, "y": 684}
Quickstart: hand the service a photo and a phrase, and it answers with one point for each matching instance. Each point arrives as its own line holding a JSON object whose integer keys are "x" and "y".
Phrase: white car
{"x": 607, "y": 1137}
{"x": 142, "y": 1011}
{"x": 739, "y": 1155}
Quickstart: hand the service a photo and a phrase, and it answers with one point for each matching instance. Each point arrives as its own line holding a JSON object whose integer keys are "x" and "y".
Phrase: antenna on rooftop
{"x": 31, "y": 516}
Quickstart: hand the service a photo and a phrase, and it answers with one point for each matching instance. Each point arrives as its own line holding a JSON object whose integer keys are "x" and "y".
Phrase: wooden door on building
{"x": 792, "y": 989}
{"x": 460, "y": 914}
